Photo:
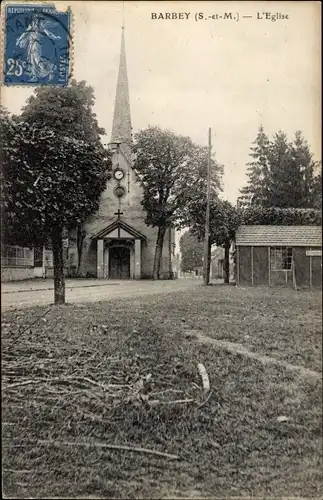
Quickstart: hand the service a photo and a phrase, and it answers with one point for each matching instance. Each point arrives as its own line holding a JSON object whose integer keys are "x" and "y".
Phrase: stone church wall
{"x": 132, "y": 214}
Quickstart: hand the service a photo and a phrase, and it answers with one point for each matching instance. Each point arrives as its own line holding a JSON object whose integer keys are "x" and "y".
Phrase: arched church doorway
{"x": 119, "y": 263}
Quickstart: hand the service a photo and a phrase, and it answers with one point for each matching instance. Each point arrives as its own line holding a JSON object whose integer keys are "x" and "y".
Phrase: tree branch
{"x": 108, "y": 447}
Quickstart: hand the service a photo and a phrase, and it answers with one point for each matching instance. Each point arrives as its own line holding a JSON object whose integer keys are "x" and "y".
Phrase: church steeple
{"x": 121, "y": 128}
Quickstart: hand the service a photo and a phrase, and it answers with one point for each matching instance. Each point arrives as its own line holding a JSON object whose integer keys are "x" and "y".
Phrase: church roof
{"x": 119, "y": 229}
{"x": 121, "y": 127}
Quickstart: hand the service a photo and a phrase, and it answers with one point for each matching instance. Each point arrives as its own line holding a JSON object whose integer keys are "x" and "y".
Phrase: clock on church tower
{"x": 124, "y": 246}
{"x": 118, "y": 174}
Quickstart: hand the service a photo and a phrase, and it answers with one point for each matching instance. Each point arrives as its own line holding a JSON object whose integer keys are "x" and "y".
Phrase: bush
{"x": 281, "y": 216}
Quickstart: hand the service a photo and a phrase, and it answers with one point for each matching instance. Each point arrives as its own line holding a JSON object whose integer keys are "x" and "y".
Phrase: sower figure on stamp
{"x": 40, "y": 67}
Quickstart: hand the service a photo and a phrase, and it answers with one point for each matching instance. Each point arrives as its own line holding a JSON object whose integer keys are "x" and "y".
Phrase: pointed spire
{"x": 122, "y": 15}
{"x": 121, "y": 128}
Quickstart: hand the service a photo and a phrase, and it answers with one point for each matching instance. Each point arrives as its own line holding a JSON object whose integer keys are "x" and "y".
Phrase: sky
{"x": 187, "y": 75}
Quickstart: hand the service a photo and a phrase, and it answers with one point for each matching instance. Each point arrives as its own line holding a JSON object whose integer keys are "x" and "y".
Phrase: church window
{"x": 119, "y": 191}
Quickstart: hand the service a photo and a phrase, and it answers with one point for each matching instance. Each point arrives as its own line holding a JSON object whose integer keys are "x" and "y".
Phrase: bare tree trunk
{"x": 80, "y": 236}
{"x": 227, "y": 263}
{"x": 170, "y": 252}
{"x": 59, "y": 279}
{"x": 158, "y": 252}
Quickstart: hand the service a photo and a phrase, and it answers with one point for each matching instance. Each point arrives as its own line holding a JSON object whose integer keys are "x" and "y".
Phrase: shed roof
{"x": 297, "y": 236}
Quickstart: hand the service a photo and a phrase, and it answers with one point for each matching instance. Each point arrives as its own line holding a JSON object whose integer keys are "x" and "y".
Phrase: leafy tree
{"x": 191, "y": 252}
{"x": 52, "y": 178}
{"x": 172, "y": 171}
{"x": 224, "y": 221}
{"x": 66, "y": 110}
{"x": 69, "y": 112}
{"x": 282, "y": 173}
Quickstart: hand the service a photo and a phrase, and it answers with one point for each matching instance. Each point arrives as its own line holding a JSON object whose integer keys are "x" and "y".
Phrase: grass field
{"x": 125, "y": 373}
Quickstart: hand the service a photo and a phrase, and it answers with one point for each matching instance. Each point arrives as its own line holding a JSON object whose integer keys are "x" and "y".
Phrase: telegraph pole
{"x": 206, "y": 263}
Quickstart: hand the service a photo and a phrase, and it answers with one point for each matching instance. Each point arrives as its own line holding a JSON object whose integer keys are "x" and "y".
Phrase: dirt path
{"x": 236, "y": 348}
{"x": 102, "y": 291}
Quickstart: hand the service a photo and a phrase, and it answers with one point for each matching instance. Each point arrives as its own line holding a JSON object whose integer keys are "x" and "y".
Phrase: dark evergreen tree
{"x": 283, "y": 183}
{"x": 282, "y": 174}
{"x": 304, "y": 168}
{"x": 317, "y": 191}
{"x": 257, "y": 170}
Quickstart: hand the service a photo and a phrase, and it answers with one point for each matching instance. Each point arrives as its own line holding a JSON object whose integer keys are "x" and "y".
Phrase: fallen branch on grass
{"x": 27, "y": 327}
{"x": 155, "y": 402}
{"x": 108, "y": 447}
{"x": 68, "y": 380}
{"x": 18, "y": 384}
{"x": 204, "y": 376}
{"x": 205, "y": 400}
{"x": 99, "y": 384}
{"x": 19, "y": 471}
{"x": 164, "y": 392}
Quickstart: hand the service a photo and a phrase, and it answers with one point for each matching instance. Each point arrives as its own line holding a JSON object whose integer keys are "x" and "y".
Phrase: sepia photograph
{"x": 161, "y": 249}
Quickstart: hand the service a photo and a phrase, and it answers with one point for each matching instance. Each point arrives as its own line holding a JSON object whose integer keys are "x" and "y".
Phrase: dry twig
{"x": 177, "y": 401}
{"x": 18, "y": 384}
{"x": 205, "y": 400}
{"x": 31, "y": 324}
{"x": 99, "y": 384}
{"x": 109, "y": 447}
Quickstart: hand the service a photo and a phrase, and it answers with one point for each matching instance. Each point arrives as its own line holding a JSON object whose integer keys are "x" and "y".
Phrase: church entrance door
{"x": 119, "y": 263}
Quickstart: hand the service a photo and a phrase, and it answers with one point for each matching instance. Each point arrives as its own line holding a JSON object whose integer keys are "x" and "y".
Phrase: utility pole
{"x": 206, "y": 262}
{"x": 170, "y": 252}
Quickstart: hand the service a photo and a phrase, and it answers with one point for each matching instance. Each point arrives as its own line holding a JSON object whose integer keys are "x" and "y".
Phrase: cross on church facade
{"x": 118, "y": 213}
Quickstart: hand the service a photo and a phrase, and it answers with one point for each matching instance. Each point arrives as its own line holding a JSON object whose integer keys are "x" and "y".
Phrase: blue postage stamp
{"x": 37, "y": 45}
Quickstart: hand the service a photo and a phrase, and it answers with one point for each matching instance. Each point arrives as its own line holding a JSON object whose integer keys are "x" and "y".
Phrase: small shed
{"x": 279, "y": 255}
{"x": 217, "y": 263}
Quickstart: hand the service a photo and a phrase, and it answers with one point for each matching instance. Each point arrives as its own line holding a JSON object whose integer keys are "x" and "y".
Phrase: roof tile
{"x": 308, "y": 236}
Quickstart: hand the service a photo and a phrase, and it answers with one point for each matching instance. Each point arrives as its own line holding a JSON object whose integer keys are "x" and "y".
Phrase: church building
{"x": 115, "y": 241}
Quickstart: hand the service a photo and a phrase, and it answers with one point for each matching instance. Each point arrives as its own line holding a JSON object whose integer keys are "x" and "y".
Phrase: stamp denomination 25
{"x": 37, "y": 45}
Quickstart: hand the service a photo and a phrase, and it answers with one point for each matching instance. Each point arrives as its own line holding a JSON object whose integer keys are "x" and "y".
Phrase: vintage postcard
{"x": 161, "y": 249}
